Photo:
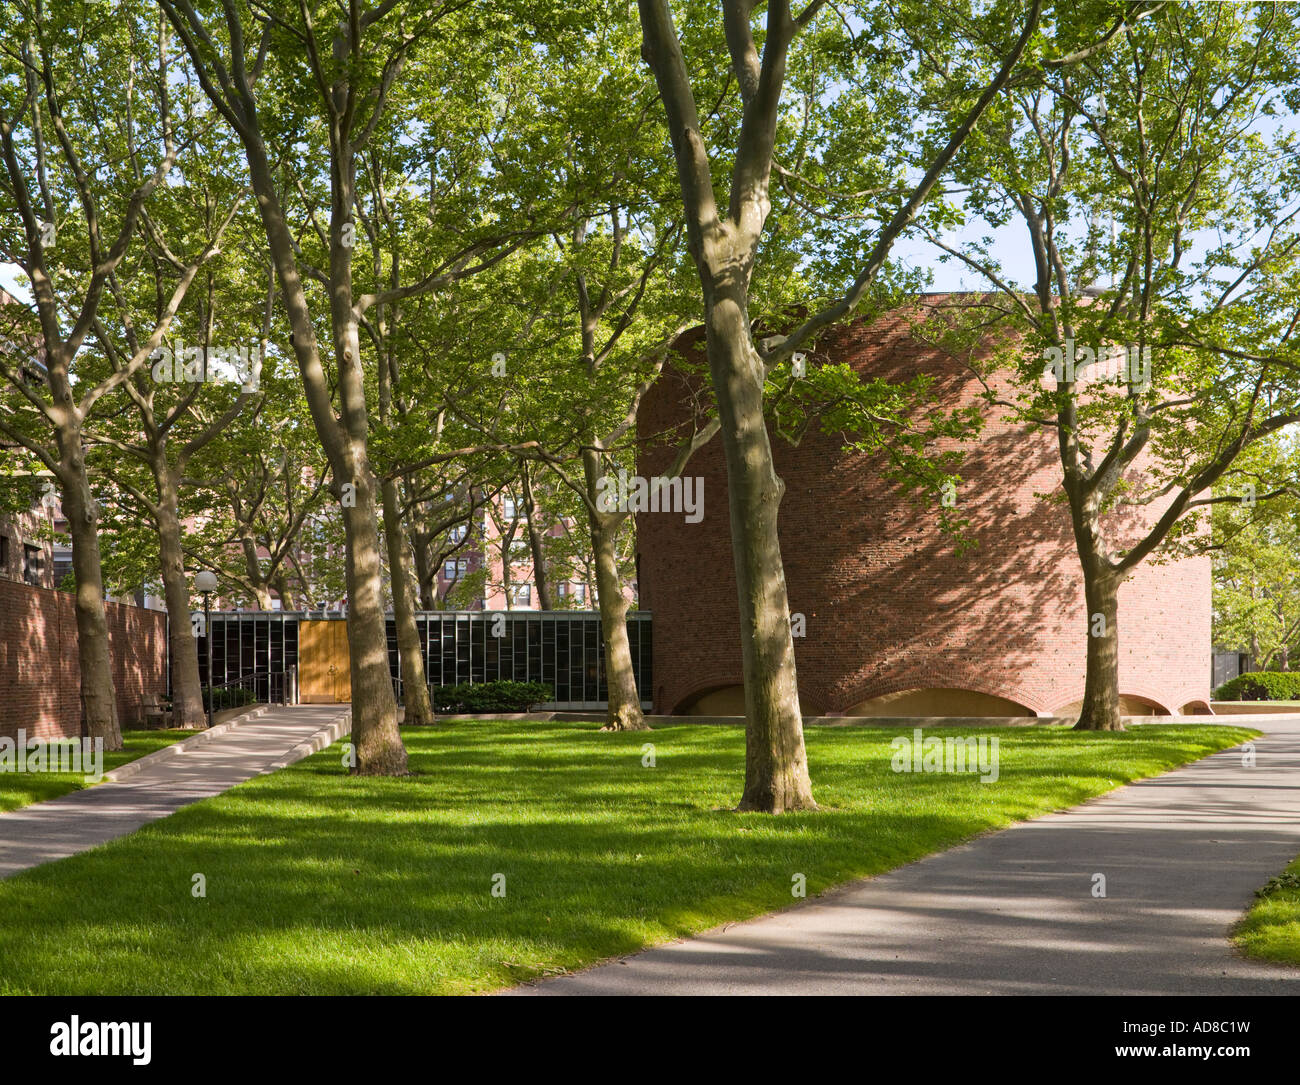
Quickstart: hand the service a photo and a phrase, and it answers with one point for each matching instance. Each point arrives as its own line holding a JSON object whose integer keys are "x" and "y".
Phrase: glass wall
{"x": 258, "y": 643}
{"x": 562, "y": 648}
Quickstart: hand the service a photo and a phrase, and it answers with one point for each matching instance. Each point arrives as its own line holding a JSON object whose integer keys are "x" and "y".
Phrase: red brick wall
{"x": 40, "y": 685}
{"x": 889, "y": 607}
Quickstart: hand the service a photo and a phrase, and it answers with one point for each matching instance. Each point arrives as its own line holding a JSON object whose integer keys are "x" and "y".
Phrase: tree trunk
{"x": 98, "y": 693}
{"x": 535, "y": 544}
{"x": 776, "y": 762}
{"x": 624, "y": 712}
{"x": 187, "y": 693}
{"x": 415, "y": 685}
{"x": 375, "y": 737}
{"x": 280, "y": 582}
{"x": 507, "y": 573}
{"x": 1101, "y": 709}
{"x": 374, "y": 729}
{"x": 426, "y": 576}
{"x": 248, "y": 547}
{"x": 253, "y": 569}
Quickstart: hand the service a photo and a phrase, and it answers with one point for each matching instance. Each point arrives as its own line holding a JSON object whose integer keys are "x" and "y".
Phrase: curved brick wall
{"x": 889, "y": 607}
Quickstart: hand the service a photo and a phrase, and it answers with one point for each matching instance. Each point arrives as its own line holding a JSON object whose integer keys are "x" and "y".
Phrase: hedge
{"x": 230, "y": 697}
{"x": 501, "y": 696}
{"x": 1261, "y": 686}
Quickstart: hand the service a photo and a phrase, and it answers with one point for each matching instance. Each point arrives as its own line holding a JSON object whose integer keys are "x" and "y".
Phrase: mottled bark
{"x": 535, "y": 544}
{"x": 624, "y": 711}
{"x": 426, "y": 573}
{"x": 378, "y": 742}
{"x": 776, "y": 761}
{"x": 187, "y": 695}
{"x": 375, "y": 736}
{"x": 1101, "y": 709}
{"x": 98, "y": 692}
{"x": 415, "y": 684}
{"x": 724, "y": 247}
{"x": 280, "y": 583}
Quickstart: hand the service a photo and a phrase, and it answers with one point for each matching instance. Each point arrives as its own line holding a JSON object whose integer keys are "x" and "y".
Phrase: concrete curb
{"x": 656, "y": 721}
{"x": 538, "y": 717}
{"x": 200, "y": 738}
{"x": 930, "y": 722}
{"x": 321, "y": 740}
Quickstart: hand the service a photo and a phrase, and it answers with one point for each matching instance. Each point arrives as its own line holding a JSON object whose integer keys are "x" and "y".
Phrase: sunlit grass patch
{"x": 1270, "y": 931}
{"x": 321, "y": 882}
{"x": 21, "y": 788}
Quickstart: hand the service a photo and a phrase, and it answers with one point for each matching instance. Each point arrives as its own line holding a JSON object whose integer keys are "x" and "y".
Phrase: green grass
{"x": 318, "y": 882}
{"x": 21, "y": 788}
{"x": 1270, "y": 931}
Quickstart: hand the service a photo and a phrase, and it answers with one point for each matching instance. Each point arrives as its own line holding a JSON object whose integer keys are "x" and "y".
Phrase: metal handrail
{"x": 281, "y": 686}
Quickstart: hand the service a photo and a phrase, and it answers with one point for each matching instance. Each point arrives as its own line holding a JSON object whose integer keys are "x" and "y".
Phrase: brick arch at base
{"x": 723, "y": 684}
{"x": 962, "y": 680}
{"x": 1136, "y": 696}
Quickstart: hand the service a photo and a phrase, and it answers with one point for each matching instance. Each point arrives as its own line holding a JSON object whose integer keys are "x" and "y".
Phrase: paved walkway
{"x": 162, "y": 783}
{"x": 1013, "y": 912}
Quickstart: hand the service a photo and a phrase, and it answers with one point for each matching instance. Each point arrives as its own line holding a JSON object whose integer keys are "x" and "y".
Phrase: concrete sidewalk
{"x": 1013, "y": 912}
{"x": 163, "y": 782}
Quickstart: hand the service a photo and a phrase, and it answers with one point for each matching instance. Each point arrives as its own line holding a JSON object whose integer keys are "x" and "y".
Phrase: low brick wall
{"x": 40, "y": 684}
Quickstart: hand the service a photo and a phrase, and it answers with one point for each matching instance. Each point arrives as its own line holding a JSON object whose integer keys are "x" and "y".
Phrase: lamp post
{"x": 206, "y": 582}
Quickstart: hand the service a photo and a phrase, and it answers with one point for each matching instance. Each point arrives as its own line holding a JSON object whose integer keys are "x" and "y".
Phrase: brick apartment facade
{"x": 896, "y": 624}
{"x": 24, "y": 555}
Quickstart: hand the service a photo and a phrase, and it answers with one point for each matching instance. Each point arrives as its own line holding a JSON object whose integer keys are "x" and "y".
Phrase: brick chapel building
{"x": 896, "y": 624}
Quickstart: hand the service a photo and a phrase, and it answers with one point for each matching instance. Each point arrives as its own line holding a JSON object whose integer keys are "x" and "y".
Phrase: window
{"x": 455, "y": 568}
{"x": 32, "y": 564}
{"x": 4, "y": 554}
{"x": 520, "y": 550}
{"x": 576, "y": 592}
{"x": 457, "y": 534}
{"x": 508, "y": 509}
{"x": 522, "y": 595}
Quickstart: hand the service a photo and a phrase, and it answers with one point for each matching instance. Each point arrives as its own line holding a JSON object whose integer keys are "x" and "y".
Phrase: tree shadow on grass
{"x": 321, "y": 882}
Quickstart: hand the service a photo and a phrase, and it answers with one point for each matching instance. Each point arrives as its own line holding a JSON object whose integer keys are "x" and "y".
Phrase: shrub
{"x": 230, "y": 697}
{"x": 1261, "y": 686}
{"x": 491, "y": 697}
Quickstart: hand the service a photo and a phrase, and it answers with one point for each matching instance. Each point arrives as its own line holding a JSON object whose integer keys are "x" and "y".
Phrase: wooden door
{"x": 324, "y": 671}
{"x": 341, "y": 663}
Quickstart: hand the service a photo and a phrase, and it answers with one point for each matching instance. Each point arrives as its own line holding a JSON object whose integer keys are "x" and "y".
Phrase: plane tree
{"x": 835, "y": 109}
{"x": 93, "y": 123}
{"x": 1154, "y": 187}
{"x": 308, "y": 88}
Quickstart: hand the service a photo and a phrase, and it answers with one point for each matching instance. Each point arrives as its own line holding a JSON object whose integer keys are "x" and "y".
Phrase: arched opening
{"x": 1130, "y": 704}
{"x": 1196, "y": 708}
{"x": 718, "y": 701}
{"x": 938, "y": 702}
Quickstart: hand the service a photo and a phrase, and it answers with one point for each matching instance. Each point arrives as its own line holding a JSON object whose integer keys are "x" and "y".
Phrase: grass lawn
{"x": 1271, "y": 929}
{"x": 322, "y": 883}
{"x": 20, "y": 788}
